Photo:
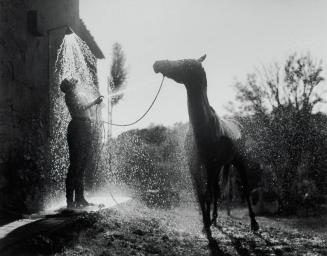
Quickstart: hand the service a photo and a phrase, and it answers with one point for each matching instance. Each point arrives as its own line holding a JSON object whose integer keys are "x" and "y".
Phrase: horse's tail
{"x": 224, "y": 181}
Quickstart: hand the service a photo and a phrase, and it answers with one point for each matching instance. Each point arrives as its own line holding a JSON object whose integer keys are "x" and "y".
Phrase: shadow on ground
{"x": 46, "y": 236}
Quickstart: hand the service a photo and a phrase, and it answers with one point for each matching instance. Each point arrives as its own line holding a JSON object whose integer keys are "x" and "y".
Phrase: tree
{"x": 277, "y": 112}
{"x": 117, "y": 79}
{"x": 273, "y": 87}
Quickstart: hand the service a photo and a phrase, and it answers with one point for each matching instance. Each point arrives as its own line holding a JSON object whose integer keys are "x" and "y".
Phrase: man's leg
{"x": 73, "y": 165}
{"x": 85, "y": 155}
{"x": 79, "y": 196}
{"x": 70, "y": 188}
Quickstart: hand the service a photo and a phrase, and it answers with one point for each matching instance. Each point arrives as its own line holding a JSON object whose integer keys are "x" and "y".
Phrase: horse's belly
{"x": 222, "y": 152}
{"x": 211, "y": 150}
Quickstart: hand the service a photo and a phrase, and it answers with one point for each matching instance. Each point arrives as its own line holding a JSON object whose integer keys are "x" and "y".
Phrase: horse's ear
{"x": 201, "y": 59}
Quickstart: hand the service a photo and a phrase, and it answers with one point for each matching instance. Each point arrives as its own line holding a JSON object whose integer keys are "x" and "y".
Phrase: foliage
{"x": 293, "y": 86}
{"x": 118, "y": 72}
{"x": 282, "y": 129}
{"x": 151, "y": 159}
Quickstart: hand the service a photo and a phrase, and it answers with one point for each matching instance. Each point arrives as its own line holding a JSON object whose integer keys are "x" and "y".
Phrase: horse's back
{"x": 230, "y": 129}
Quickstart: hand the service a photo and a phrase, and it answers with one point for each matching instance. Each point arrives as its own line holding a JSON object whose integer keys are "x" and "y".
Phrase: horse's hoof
{"x": 254, "y": 226}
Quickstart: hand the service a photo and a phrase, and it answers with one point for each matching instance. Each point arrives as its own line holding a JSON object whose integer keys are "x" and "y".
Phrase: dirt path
{"x": 133, "y": 229}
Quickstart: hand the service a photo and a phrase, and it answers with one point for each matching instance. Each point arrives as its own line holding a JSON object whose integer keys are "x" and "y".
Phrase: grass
{"x": 134, "y": 229}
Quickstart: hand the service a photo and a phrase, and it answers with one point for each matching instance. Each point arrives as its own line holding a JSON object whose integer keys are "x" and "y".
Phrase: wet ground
{"x": 133, "y": 229}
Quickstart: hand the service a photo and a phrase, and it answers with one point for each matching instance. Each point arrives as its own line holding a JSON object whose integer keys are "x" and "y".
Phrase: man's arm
{"x": 87, "y": 106}
{"x": 73, "y": 103}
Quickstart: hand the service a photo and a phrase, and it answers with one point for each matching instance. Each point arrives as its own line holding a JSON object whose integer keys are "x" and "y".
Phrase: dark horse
{"x": 212, "y": 143}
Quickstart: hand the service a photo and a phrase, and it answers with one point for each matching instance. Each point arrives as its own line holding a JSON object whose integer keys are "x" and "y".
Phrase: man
{"x": 79, "y": 137}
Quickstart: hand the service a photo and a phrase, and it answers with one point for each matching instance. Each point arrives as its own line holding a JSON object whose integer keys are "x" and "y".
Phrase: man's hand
{"x": 99, "y": 100}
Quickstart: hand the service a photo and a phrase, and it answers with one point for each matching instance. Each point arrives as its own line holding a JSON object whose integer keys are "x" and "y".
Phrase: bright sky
{"x": 236, "y": 36}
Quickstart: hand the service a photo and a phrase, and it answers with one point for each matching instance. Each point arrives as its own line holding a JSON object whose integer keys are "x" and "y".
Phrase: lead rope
{"x": 146, "y": 112}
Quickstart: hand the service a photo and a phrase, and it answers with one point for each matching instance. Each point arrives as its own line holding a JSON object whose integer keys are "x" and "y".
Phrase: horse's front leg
{"x": 202, "y": 196}
{"x": 206, "y": 216}
{"x": 216, "y": 196}
{"x": 198, "y": 174}
{"x": 212, "y": 192}
{"x": 205, "y": 199}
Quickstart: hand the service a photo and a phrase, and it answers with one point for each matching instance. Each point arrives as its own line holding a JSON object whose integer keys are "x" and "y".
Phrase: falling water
{"x": 74, "y": 60}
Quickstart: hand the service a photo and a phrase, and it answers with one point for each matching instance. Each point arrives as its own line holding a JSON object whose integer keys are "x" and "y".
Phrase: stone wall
{"x": 26, "y": 64}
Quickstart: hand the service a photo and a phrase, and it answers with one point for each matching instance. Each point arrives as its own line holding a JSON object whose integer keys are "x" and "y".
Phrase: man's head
{"x": 68, "y": 84}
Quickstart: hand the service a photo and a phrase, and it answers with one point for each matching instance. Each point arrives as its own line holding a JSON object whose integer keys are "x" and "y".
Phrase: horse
{"x": 211, "y": 142}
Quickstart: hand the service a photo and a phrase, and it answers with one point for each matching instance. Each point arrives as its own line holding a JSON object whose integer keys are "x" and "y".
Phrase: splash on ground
{"x": 106, "y": 198}
{"x": 133, "y": 229}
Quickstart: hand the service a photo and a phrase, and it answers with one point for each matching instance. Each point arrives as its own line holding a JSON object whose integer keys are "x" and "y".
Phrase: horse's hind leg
{"x": 229, "y": 197}
{"x": 239, "y": 163}
{"x": 229, "y": 191}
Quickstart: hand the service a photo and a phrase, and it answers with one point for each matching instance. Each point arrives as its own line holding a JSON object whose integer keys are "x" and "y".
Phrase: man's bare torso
{"x": 78, "y": 104}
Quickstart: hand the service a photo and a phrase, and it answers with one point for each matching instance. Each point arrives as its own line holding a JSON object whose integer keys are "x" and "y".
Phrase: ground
{"x": 134, "y": 229}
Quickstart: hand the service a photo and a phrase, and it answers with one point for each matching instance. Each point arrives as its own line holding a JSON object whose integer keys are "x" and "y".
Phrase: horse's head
{"x": 188, "y": 72}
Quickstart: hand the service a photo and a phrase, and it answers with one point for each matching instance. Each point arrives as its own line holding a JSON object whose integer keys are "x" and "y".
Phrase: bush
{"x": 152, "y": 162}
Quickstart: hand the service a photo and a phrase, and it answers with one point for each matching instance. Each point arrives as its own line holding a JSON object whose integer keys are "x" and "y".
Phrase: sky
{"x": 236, "y": 35}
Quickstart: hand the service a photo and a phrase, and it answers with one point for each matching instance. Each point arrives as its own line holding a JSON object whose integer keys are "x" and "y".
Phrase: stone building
{"x": 30, "y": 34}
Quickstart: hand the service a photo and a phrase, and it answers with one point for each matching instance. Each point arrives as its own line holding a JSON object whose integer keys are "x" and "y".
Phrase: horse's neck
{"x": 200, "y": 112}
